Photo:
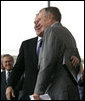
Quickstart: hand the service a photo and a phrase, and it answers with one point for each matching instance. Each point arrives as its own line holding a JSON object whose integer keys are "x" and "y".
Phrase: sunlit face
{"x": 37, "y": 26}
{"x": 41, "y": 23}
{"x": 7, "y": 63}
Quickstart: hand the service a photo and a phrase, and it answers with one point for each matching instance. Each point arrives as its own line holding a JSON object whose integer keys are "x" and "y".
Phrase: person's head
{"x": 45, "y": 18}
{"x": 7, "y": 61}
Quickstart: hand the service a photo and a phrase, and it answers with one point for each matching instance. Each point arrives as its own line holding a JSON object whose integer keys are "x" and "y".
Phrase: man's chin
{"x": 39, "y": 34}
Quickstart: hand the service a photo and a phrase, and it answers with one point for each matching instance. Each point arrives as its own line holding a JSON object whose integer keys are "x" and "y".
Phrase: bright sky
{"x": 17, "y": 22}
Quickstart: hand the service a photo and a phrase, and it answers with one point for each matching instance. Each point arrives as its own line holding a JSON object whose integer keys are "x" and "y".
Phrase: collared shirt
{"x": 54, "y": 23}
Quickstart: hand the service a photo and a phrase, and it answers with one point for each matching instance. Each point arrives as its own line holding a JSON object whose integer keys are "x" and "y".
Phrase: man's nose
{"x": 36, "y": 21}
{"x": 8, "y": 63}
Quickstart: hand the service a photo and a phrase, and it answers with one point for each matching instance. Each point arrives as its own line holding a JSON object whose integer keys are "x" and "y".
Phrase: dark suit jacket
{"x": 3, "y": 85}
{"x": 52, "y": 76}
{"x": 26, "y": 63}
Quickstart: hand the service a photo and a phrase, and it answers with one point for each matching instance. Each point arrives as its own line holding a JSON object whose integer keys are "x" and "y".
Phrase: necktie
{"x": 39, "y": 46}
{"x": 8, "y": 75}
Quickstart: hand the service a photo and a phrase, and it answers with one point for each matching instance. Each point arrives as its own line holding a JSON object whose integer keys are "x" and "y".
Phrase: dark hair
{"x": 54, "y": 11}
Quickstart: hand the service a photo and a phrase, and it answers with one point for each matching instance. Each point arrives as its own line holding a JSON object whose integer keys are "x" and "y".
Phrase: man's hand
{"x": 9, "y": 93}
{"x": 36, "y": 96}
{"x": 74, "y": 61}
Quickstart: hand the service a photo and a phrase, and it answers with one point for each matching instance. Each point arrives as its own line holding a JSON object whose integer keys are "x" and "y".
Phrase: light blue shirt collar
{"x": 54, "y": 24}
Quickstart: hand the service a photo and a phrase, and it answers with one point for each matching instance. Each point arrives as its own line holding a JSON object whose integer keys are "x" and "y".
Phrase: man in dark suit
{"x": 57, "y": 43}
{"x": 27, "y": 62}
{"x": 7, "y": 62}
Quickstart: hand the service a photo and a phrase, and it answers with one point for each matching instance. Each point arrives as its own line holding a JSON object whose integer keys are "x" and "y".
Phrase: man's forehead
{"x": 41, "y": 12}
{"x": 7, "y": 58}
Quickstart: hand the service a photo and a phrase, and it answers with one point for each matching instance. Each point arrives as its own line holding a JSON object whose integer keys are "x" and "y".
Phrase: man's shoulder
{"x": 30, "y": 40}
{"x": 2, "y": 73}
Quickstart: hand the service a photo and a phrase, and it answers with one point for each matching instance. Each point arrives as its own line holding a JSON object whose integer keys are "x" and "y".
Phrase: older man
{"x": 7, "y": 62}
{"x": 58, "y": 42}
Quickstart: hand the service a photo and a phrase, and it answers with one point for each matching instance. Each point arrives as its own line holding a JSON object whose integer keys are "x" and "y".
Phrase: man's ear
{"x": 50, "y": 17}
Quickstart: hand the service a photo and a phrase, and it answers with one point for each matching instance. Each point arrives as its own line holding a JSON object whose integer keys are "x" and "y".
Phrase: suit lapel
{"x": 4, "y": 77}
